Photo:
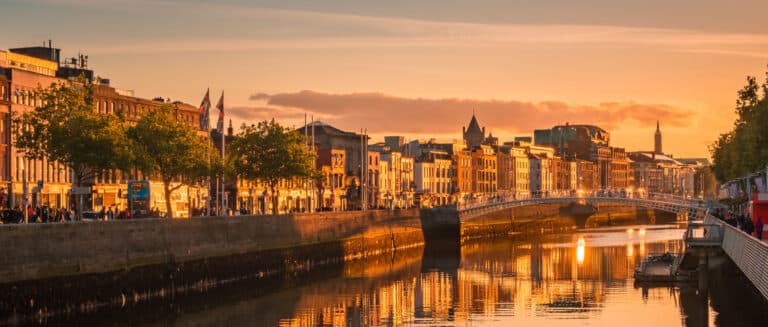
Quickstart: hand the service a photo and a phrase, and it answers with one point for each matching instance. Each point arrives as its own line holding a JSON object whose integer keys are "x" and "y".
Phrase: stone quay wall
{"x": 282, "y": 242}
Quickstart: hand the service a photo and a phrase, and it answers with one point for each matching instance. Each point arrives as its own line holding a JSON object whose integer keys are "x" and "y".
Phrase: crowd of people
{"x": 38, "y": 214}
{"x": 48, "y": 214}
{"x": 741, "y": 221}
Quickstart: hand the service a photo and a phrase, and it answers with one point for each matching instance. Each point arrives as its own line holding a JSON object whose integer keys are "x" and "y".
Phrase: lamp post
{"x": 24, "y": 188}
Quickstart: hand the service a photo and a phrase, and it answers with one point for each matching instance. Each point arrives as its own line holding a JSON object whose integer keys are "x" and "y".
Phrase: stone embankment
{"x": 266, "y": 243}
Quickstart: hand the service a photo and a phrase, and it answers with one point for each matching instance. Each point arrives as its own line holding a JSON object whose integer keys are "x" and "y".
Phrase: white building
{"x": 386, "y": 185}
{"x": 402, "y": 178}
{"x": 522, "y": 172}
{"x": 541, "y": 173}
{"x": 424, "y": 178}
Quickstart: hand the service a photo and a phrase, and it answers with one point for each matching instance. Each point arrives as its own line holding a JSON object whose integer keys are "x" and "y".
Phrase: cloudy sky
{"x": 420, "y": 68}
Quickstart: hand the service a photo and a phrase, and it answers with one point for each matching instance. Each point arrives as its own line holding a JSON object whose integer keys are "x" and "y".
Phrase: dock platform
{"x": 667, "y": 267}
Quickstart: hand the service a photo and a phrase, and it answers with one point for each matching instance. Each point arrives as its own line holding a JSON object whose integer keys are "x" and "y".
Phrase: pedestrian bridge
{"x": 694, "y": 209}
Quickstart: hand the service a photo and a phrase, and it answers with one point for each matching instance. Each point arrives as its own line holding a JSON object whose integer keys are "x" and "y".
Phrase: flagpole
{"x": 205, "y": 109}
{"x": 312, "y": 146}
{"x": 223, "y": 144}
{"x": 208, "y": 186}
{"x": 308, "y": 201}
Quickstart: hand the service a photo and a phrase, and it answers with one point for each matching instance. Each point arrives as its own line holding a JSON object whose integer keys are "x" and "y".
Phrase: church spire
{"x": 657, "y": 140}
{"x": 473, "y": 134}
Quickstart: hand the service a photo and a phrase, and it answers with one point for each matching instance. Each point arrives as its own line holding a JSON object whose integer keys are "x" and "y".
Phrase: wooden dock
{"x": 667, "y": 267}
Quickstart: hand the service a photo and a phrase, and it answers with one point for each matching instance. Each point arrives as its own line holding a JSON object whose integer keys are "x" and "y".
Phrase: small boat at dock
{"x": 666, "y": 267}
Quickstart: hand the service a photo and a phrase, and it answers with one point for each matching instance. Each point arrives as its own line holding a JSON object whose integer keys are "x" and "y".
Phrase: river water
{"x": 578, "y": 278}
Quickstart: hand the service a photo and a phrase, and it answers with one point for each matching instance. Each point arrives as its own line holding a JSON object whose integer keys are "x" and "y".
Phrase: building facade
{"x": 484, "y": 170}
{"x": 23, "y": 72}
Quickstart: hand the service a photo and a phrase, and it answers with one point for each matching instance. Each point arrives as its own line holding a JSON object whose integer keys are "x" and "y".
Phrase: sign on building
{"x": 138, "y": 196}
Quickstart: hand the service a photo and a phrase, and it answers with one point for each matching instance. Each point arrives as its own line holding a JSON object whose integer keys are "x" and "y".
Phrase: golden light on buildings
{"x": 641, "y": 232}
{"x": 630, "y": 249}
{"x": 580, "y": 244}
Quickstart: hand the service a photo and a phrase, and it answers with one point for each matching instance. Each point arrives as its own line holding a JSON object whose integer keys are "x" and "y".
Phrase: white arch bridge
{"x": 694, "y": 209}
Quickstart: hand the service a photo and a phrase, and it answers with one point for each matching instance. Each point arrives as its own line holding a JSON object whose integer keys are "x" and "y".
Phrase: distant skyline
{"x": 420, "y": 68}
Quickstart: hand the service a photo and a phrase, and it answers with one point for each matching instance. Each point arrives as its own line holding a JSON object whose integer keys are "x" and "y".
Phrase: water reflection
{"x": 578, "y": 278}
{"x": 548, "y": 281}
{"x": 580, "y": 250}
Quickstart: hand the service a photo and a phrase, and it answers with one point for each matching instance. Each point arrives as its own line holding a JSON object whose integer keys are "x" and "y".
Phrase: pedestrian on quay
{"x": 102, "y": 213}
{"x": 749, "y": 227}
{"x": 759, "y": 228}
{"x": 110, "y": 214}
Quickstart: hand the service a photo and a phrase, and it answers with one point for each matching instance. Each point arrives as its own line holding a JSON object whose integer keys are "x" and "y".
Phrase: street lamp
{"x": 24, "y": 188}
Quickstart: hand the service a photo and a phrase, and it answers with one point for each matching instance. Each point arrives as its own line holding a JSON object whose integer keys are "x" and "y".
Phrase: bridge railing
{"x": 659, "y": 198}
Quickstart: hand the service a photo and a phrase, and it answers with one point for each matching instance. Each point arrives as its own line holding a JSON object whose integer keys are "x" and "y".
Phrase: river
{"x": 581, "y": 277}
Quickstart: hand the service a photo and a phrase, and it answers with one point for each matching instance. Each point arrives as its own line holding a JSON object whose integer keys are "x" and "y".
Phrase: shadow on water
{"x": 723, "y": 289}
{"x": 736, "y": 301}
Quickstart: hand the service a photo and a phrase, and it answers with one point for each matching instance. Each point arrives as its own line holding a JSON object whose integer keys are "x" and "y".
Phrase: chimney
{"x": 230, "y": 131}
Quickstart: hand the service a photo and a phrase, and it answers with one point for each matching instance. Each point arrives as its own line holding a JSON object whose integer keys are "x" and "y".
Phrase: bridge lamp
{"x": 580, "y": 247}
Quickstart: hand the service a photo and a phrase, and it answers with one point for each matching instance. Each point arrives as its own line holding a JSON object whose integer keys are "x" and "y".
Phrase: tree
{"x": 320, "y": 179}
{"x": 66, "y": 128}
{"x": 171, "y": 149}
{"x": 744, "y": 149}
{"x": 270, "y": 152}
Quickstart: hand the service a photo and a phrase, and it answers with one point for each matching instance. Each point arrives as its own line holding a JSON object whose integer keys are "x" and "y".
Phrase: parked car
{"x": 90, "y": 215}
{"x": 11, "y": 217}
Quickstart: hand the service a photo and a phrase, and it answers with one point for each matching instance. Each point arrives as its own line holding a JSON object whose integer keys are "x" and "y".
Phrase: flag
{"x": 205, "y": 112}
{"x": 220, "y": 106}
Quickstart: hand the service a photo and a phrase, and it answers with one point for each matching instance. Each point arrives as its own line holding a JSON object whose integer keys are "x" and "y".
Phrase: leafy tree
{"x": 171, "y": 149}
{"x": 66, "y": 128}
{"x": 744, "y": 149}
{"x": 270, "y": 152}
{"x": 320, "y": 180}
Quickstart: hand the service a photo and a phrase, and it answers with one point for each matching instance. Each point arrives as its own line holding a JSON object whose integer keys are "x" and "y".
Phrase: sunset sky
{"x": 419, "y": 68}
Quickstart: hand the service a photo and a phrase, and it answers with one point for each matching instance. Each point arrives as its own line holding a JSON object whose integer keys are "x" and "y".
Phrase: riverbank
{"x": 56, "y": 265}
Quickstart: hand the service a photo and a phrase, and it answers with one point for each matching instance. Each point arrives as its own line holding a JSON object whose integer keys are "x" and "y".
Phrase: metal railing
{"x": 694, "y": 208}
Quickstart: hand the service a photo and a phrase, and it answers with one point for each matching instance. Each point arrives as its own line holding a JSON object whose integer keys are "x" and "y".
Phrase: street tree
{"x": 66, "y": 128}
{"x": 744, "y": 149}
{"x": 270, "y": 153}
{"x": 173, "y": 150}
{"x": 320, "y": 181}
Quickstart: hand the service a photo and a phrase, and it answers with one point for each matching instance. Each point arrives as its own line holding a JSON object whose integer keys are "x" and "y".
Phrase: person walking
{"x": 110, "y": 214}
{"x": 759, "y": 228}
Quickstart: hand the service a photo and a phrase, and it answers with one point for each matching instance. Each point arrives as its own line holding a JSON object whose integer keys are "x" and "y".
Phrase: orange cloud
{"x": 381, "y": 113}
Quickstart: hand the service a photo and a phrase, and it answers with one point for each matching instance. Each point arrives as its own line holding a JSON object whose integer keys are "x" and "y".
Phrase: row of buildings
{"x": 565, "y": 158}
{"x": 23, "y": 71}
{"x": 357, "y": 173}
